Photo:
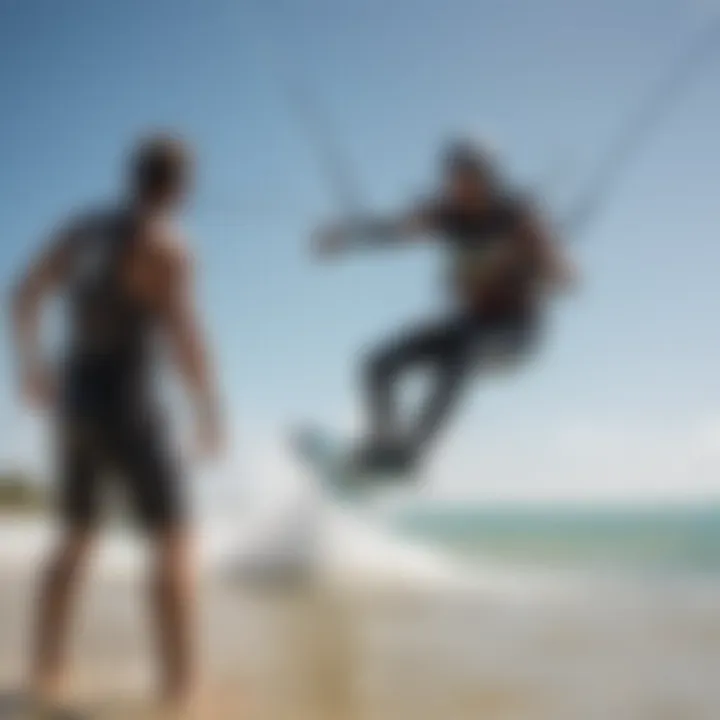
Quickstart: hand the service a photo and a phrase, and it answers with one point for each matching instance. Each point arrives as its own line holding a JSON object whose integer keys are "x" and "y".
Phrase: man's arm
{"x": 44, "y": 276}
{"x": 188, "y": 347}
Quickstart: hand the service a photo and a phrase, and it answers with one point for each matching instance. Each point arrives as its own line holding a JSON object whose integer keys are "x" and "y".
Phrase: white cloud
{"x": 582, "y": 461}
{"x": 708, "y": 439}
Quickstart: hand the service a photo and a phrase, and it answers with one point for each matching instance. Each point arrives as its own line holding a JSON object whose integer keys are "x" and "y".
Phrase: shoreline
{"x": 323, "y": 654}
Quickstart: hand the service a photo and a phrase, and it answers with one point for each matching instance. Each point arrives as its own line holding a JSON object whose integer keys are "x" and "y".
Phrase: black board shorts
{"x": 104, "y": 455}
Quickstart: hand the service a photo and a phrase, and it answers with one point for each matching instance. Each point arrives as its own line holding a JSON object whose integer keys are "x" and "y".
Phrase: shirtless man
{"x": 127, "y": 281}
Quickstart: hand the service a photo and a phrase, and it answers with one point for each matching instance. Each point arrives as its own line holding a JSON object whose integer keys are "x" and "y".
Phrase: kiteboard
{"x": 331, "y": 460}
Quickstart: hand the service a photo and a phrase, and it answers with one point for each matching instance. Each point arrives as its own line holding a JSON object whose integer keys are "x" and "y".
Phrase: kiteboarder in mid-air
{"x": 504, "y": 259}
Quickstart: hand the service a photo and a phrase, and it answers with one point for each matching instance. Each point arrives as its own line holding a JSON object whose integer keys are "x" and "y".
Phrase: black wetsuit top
{"x": 109, "y": 360}
{"x": 110, "y": 417}
{"x": 471, "y": 234}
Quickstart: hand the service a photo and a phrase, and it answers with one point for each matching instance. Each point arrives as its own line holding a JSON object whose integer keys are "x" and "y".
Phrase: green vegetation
{"x": 23, "y": 494}
{"x": 19, "y": 493}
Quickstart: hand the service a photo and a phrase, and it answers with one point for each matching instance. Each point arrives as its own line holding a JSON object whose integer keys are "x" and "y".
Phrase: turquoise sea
{"x": 677, "y": 539}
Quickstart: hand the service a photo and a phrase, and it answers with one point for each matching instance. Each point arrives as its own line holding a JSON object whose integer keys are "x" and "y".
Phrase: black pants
{"x": 453, "y": 350}
{"x": 113, "y": 437}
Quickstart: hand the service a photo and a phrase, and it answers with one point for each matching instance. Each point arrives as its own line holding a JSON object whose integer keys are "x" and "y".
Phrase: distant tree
{"x": 20, "y": 492}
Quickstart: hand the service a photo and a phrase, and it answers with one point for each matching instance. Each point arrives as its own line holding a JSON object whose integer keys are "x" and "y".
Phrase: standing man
{"x": 128, "y": 281}
{"x": 501, "y": 254}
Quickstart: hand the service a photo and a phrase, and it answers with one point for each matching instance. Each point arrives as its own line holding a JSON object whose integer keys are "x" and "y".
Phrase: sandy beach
{"x": 322, "y": 652}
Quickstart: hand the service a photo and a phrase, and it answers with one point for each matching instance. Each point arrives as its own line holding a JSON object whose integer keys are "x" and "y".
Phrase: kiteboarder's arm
{"x": 410, "y": 226}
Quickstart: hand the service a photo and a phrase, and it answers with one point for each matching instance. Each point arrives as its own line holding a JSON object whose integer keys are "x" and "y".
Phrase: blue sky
{"x": 623, "y": 397}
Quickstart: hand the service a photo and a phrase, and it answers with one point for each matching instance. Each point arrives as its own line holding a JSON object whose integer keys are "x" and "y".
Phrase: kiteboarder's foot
{"x": 380, "y": 457}
{"x": 337, "y": 469}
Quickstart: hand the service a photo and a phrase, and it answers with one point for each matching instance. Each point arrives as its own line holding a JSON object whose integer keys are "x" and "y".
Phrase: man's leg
{"x": 437, "y": 345}
{"x": 155, "y": 484}
{"x": 381, "y": 370}
{"x": 451, "y": 369}
{"x": 58, "y": 589}
{"x": 468, "y": 345}
{"x": 78, "y": 494}
{"x": 174, "y": 602}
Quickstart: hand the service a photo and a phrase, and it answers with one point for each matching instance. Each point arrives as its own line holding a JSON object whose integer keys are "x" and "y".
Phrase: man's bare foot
{"x": 47, "y": 700}
{"x": 183, "y": 705}
{"x": 48, "y": 691}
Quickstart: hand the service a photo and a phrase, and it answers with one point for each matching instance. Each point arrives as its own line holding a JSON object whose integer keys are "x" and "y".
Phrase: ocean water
{"x": 678, "y": 539}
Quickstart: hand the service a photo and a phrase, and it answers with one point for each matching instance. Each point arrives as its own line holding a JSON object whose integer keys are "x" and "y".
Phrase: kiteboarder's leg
{"x": 380, "y": 372}
{"x": 451, "y": 371}
{"x": 439, "y": 345}
{"x": 475, "y": 345}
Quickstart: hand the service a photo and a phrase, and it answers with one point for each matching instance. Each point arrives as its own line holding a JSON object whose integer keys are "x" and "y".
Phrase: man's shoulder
{"x": 89, "y": 217}
{"x": 170, "y": 248}
{"x": 80, "y": 227}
